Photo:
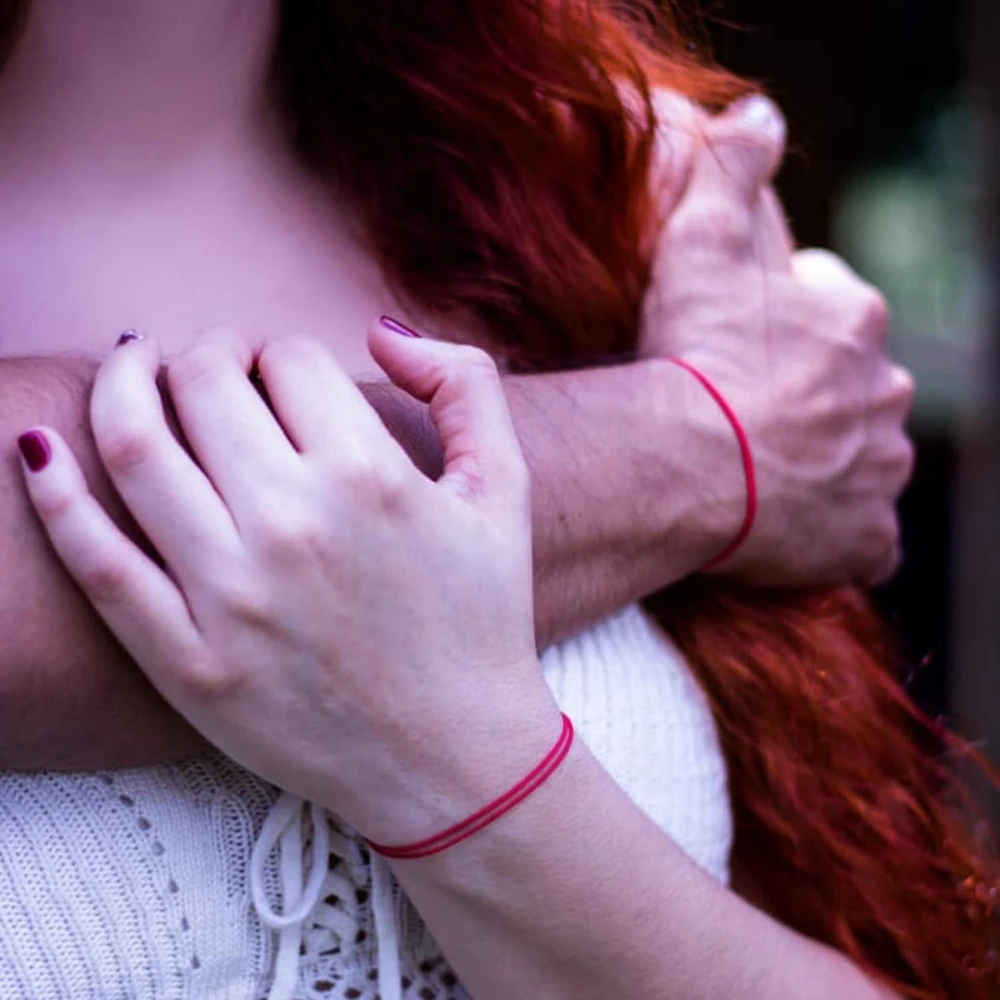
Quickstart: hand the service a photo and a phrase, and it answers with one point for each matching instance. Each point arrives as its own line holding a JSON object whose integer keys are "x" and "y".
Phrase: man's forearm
{"x": 627, "y": 493}
{"x": 69, "y": 697}
{"x": 636, "y": 484}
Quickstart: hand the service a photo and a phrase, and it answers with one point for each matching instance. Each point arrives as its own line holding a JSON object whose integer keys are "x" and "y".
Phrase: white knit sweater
{"x": 137, "y": 885}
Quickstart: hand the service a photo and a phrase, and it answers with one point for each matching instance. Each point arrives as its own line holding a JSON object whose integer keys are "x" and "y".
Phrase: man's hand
{"x": 796, "y": 342}
{"x": 617, "y": 514}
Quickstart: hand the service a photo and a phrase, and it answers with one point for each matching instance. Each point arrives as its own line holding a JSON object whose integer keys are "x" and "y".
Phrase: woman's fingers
{"x": 319, "y": 406}
{"x": 136, "y": 599}
{"x": 234, "y": 436}
{"x": 257, "y": 452}
{"x": 168, "y": 495}
{"x": 461, "y": 385}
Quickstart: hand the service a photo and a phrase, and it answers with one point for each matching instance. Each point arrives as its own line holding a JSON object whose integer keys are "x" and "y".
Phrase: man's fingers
{"x": 832, "y": 280}
{"x": 679, "y": 135}
{"x": 462, "y": 387}
{"x": 881, "y": 570}
{"x": 729, "y": 215}
{"x": 136, "y": 599}
{"x": 773, "y": 240}
{"x": 821, "y": 268}
{"x": 743, "y": 149}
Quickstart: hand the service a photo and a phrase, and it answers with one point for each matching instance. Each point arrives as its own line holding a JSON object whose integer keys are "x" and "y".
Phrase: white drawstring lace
{"x": 386, "y": 930}
{"x": 302, "y": 897}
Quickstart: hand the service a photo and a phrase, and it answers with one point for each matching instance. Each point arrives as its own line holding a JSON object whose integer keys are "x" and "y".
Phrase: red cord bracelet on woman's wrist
{"x": 491, "y": 813}
{"x": 746, "y": 454}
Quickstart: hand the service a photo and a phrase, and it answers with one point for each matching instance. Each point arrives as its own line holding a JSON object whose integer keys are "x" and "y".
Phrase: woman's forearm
{"x": 627, "y": 499}
{"x": 576, "y": 895}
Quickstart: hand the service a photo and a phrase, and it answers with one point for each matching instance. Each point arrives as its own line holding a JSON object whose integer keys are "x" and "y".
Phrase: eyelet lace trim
{"x": 309, "y": 925}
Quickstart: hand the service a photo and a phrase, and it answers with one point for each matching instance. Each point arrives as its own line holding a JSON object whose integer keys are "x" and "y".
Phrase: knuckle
{"x": 879, "y": 554}
{"x": 104, "y": 581}
{"x": 713, "y": 224}
{"x": 285, "y": 531}
{"x": 125, "y": 447}
{"x": 906, "y": 463}
{"x": 55, "y": 502}
{"x": 473, "y": 362}
{"x": 207, "y": 677}
{"x": 294, "y": 348}
{"x": 358, "y": 472}
{"x": 194, "y": 365}
{"x": 882, "y": 570}
{"x": 825, "y": 273}
{"x": 759, "y": 151}
{"x": 819, "y": 257}
{"x": 905, "y": 388}
{"x": 374, "y": 486}
{"x": 875, "y": 313}
{"x": 244, "y": 602}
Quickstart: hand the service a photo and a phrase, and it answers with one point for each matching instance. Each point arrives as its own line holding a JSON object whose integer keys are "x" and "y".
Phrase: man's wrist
{"x": 408, "y": 421}
{"x": 706, "y": 502}
{"x": 689, "y": 456}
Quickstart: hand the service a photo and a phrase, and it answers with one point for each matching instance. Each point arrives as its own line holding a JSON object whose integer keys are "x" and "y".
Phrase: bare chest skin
{"x": 235, "y": 237}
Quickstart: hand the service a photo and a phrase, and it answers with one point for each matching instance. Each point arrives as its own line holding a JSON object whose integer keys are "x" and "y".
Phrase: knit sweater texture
{"x": 136, "y": 885}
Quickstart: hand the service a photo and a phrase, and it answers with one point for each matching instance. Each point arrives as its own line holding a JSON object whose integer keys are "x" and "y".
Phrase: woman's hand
{"x": 326, "y": 615}
{"x": 797, "y": 344}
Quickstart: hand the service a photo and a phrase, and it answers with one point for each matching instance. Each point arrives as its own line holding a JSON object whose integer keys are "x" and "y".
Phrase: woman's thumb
{"x": 468, "y": 408}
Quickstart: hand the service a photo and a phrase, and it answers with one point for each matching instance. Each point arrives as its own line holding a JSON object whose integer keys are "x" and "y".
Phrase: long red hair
{"x": 498, "y": 172}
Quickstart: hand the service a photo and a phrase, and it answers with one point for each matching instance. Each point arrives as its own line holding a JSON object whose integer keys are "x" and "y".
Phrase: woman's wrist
{"x": 439, "y": 773}
{"x": 493, "y": 811}
{"x": 536, "y": 887}
{"x": 579, "y": 895}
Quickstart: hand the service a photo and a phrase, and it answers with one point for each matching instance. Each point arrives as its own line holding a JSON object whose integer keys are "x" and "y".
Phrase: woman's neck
{"x": 132, "y": 87}
{"x": 145, "y": 183}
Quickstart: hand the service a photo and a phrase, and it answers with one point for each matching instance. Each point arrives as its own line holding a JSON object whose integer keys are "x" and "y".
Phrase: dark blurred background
{"x": 892, "y": 108}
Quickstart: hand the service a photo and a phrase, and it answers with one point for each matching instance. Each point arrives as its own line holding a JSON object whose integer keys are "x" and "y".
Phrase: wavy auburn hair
{"x": 498, "y": 172}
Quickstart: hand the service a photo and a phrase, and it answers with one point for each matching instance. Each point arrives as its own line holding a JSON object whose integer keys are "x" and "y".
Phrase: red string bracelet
{"x": 491, "y": 813}
{"x": 749, "y": 471}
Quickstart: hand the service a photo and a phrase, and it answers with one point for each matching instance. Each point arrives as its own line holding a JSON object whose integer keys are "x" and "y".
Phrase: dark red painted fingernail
{"x": 35, "y": 449}
{"x": 396, "y": 327}
{"x": 129, "y": 337}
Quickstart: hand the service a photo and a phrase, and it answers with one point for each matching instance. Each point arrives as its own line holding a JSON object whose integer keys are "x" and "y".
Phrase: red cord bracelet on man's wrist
{"x": 746, "y": 454}
{"x": 491, "y": 813}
